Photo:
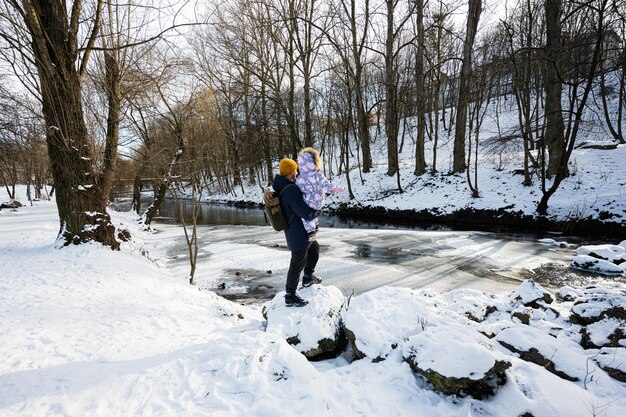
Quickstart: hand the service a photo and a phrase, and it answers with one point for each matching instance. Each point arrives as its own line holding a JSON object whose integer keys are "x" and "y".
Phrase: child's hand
{"x": 337, "y": 189}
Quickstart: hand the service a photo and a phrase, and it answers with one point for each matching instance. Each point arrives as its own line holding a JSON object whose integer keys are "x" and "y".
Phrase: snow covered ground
{"x": 85, "y": 331}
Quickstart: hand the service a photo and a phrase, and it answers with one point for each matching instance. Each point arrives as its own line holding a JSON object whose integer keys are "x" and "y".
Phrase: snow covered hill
{"x": 594, "y": 191}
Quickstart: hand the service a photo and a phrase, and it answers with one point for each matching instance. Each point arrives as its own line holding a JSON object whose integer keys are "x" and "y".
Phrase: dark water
{"x": 226, "y": 215}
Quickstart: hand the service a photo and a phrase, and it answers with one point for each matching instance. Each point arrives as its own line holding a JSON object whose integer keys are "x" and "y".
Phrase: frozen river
{"x": 249, "y": 263}
{"x": 243, "y": 259}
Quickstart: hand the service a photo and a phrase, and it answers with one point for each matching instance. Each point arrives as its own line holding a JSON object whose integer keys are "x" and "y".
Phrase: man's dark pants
{"x": 302, "y": 260}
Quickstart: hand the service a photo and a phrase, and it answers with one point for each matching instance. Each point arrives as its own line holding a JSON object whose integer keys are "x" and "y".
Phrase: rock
{"x": 124, "y": 235}
{"x": 316, "y": 330}
{"x": 530, "y": 294}
{"x": 612, "y": 253}
{"x": 608, "y": 332}
{"x": 375, "y": 325}
{"x": 466, "y": 365}
{"x": 533, "y": 345}
{"x": 613, "y": 362}
{"x": 553, "y": 242}
{"x": 523, "y": 314}
{"x": 600, "y": 146}
{"x": 11, "y": 204}
{"x": 599, "y": 266}
{"x": 351, "y": 338}
{"x": 473, "y": 304}
{"x": 567, "y": 294}
{"x": 595, "y": 304}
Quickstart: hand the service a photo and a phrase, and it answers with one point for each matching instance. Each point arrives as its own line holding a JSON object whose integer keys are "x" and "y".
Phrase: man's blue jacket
{"x": 294, "y": 209}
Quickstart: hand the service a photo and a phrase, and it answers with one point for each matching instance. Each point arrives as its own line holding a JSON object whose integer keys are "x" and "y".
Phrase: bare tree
{"x": 613, "y": 65}
{"x": 594, "y": 15}
{"x": 554, "y": 137}
{"x": 61, "y": 57}
{"x": 172, "y": 109}
{"x": 521, "y": 36}
{"x": 482, "y": 84}
{"x": 349, "y": 38}
{"x": 394, "y": 43}
{"x": 420, "y": 160}
{"x": 473, "y": 16}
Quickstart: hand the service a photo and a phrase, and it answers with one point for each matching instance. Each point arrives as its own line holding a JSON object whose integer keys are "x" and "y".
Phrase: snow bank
{"x": 86, "y": 331}
{"x": 378, "y": 320}
{"x": 438, "y": 339}
{"x": 315, "y": 329}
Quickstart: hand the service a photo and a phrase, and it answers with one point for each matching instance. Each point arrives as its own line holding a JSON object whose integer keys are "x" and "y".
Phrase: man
{"x": 304, "y": 253}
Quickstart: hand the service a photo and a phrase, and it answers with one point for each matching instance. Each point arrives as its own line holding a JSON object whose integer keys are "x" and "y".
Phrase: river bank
{"x": 591, "y": 202}
{"x": 487, "y": 220}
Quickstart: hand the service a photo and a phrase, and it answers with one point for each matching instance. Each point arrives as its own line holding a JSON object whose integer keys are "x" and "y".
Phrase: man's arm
{"x": 297, "y": 204}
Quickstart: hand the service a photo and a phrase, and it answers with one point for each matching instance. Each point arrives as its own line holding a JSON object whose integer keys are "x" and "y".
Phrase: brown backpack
{"x": 273, "y": 213}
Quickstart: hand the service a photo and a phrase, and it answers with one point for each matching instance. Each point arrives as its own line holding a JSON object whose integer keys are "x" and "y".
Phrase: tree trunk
{"x": 82, "y": 214}
{"x": 622, "y": 98}
{"x": 555, "y": 129}
{"x": 420, "y": 161}
{"x": 363, "y": 124}
{"x": 160, "y": 192}
{"x": 473, "y": 16}
{"x": 292, "y": 119}
{"x": 561, "y": 171}
{"x": 308, "y": 120}
{"x": 362, "y": 115}
{"x": 6, "y": 185}
{"x": 114, "y": 96}
{"x": 390, "y": 95}
{"x": 265, "y": 137}
{"x": 137, "y": 194}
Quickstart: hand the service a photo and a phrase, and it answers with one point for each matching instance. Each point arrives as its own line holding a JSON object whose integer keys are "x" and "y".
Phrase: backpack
{"x": 273, "y": 213}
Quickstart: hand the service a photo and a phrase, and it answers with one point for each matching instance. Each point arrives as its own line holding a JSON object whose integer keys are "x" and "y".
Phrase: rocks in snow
{"x": 11, "y": 204}
{"x": 464, "y": 341}
{"x": 602, "y": 314}
{"x": 534, "y": 345}
{"x": 375, "y": 326}
{"x": 316, "y": 330}
{"x": 553, "y": 242}
{"x": 595, "y": 304}
{"x": 601, "y": 259}
{"x": 567, "y": 294}
{"x": 608, "y": 332}
{"x": 530, "y": 294}
{"x": 523, "y": 314}
{"x": 612, "y": 253}
{"x": 599, "y": 266}
{"x": 473, "y": 304}
{"x": 613, "y": 362}
{"x": 433, "y": 334}
{"x": 454, "y": 366}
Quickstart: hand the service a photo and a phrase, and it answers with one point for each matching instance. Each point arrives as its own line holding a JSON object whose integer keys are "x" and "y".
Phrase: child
{"x": 314, "y": 185}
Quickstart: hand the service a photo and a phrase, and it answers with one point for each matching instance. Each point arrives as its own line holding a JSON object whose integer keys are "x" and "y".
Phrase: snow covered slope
{"x": 85, "y": 331}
